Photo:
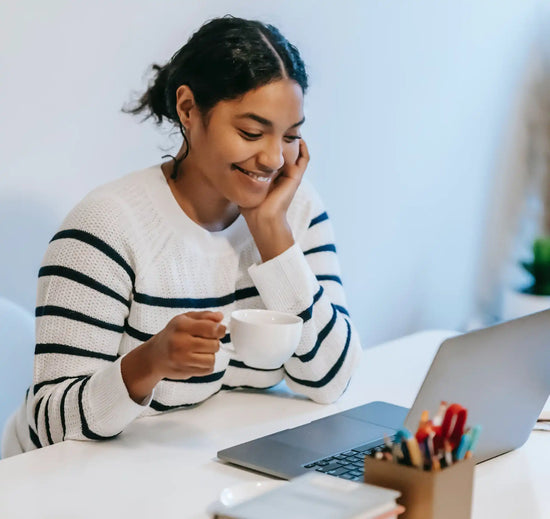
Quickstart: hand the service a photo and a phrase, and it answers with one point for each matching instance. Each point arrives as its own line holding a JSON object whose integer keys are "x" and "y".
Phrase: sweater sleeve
{"x": 305, "y": 280}
{"x": 84, "y": 293}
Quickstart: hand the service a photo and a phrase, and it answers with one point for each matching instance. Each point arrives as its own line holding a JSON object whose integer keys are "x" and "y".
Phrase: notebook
{"x": 500, "y": 373}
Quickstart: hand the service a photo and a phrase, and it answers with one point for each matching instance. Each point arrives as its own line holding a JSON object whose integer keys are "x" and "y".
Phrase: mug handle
{"x": 229, "y": 348}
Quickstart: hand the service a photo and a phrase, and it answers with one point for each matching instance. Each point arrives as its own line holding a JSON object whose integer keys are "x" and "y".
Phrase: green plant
{"x": 539, "y": 268}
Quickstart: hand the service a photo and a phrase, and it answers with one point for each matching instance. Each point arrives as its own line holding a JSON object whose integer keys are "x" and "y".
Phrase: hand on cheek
{"x": 267, "y": 222}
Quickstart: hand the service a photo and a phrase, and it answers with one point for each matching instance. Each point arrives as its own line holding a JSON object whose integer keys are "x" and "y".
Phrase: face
{"x": 246, "y": 142}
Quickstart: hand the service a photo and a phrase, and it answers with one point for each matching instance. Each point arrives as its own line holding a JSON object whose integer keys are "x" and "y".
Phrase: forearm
{"x": 272, "y": 237}
{"x": 139, "y": 373}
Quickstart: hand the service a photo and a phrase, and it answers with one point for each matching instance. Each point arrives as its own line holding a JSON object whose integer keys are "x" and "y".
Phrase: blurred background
{"x": 427, "y": 122}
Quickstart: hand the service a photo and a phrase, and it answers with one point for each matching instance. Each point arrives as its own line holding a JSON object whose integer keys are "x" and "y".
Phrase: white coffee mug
{"x": 263, "y": 338}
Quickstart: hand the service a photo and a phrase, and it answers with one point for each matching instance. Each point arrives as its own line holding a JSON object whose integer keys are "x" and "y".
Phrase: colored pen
{"x": 438, "y": 418}
{"x": 414, "y": 452}
{"x": 448, "y": 452}
{"x": 473, "y": 441}
{"x": 424, "y": 418}
{"x": 434, "y": 459}
{"x": 463, "y": 446}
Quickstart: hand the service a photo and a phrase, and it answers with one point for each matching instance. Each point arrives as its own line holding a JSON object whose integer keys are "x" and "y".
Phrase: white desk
{"x": 165, "y": 466}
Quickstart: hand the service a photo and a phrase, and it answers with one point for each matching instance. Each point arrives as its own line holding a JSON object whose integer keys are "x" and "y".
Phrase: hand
{"x": 185, "y": 348}
{"x": 267, "y": 222}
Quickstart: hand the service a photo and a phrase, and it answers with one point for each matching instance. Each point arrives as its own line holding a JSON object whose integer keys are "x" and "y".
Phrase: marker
{"x": 434, "y": 459}
{"x": 414, "y": 452}
{"x": 424, "y": 418}
{"x": 463, "y": 446}
{"x": 473, "y": 441}
{"x": 438, "y": 418}
{"x": 448, "y": 452}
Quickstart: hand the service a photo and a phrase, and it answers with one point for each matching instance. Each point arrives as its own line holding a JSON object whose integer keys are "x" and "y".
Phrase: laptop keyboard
{"x": 346, "y": 465}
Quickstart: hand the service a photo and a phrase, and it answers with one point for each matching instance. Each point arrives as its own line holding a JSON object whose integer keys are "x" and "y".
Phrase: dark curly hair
{"x": 223, "y": 60}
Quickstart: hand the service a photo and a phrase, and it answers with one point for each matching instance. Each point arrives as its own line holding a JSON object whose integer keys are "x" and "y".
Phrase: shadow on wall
{"x": 26, "y": 226}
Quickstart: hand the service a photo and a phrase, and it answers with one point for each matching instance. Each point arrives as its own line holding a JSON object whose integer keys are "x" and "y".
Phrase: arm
{"x": 84, "y": 296}
{"x": 305, "y": 280}
{"x": 83, "y": 388}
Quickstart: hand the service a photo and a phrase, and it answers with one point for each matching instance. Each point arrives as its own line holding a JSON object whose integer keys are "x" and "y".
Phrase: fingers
{"x": 206, "y": 314}
{"x": 200, "y": 324}
{"x": 296, "y": 171}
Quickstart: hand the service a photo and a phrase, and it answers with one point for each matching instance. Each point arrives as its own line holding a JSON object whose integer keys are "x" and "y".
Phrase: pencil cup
{"x": 443, "y": 494}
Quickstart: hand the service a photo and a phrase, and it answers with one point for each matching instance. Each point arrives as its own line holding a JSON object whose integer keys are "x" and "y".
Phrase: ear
{"x": 185, "y": 105}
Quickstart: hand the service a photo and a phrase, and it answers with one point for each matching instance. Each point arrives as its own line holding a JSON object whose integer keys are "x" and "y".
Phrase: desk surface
{"x": 166, "y": 466}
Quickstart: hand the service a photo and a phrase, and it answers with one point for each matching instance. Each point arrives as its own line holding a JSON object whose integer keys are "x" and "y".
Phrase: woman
{"x": 134, "y": 286}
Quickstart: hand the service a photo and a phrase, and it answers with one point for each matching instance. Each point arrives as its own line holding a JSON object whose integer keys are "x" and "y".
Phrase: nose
{"x": 271, "y": 157}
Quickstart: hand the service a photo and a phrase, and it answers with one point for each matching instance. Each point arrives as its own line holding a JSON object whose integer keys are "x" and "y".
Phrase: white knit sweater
{"x": 126, "y": 260}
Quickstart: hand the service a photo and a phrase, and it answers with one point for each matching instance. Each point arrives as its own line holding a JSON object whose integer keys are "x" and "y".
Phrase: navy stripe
{"x": 258, "y": 388}
{"x": 196, "y": 303}
{"x": 320, "y": 338}
{"x": 99, "y": 244}
{"x": 40, "y": 385}
{"x": 157, "y": 406}
{"x": 36, "y": 411}
{"x": 34, "y": 438}
{"x": 85, "y": 429}
{"x": 225, "y": 339}
{"x": 328, "y": 277}
{"x": 318, "y": 219}
{"x": 76, "y": 316}
{"x": 71, "y": 350}
{"x": 62, "y": 404}
{"x": 199, "y": 380}
{"x": 329, "y": 247}
{"x": 74, "y": 275}
{"x": 332, "y": 372}
{"x": 308, "y": 312}
{"x": 341, "y": 309}
{"x": 136, "y": 334}
{"x": 239, "y": 364}
{"x": 47, "y": 420}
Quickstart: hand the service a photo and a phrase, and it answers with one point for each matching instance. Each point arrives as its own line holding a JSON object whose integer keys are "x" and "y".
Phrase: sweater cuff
{"x": 286, "y": 282}
{"x": 109, "y": 397}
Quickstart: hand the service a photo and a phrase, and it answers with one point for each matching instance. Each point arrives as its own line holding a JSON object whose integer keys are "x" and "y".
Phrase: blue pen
{"x": 473, "y": 442}
{"x": 463, "y": 446}
{"x": 401, "y": 453}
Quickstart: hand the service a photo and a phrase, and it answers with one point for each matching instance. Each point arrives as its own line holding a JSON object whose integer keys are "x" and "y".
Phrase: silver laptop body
{"x": 501, "y": 374}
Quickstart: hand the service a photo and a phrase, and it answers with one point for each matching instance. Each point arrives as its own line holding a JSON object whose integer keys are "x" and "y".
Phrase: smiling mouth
{"x": 259, "y": 178}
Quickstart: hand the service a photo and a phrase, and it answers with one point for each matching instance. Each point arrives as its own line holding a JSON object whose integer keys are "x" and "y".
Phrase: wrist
{"x": 273, "y": 239}
{"x": 140, "y": 371}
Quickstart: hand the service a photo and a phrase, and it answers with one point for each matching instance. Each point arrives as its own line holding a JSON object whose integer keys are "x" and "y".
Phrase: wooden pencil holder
{"x": 443, "y": 494}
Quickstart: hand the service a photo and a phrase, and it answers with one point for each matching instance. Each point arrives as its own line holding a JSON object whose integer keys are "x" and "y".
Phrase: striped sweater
{"x": 126, "y": 260}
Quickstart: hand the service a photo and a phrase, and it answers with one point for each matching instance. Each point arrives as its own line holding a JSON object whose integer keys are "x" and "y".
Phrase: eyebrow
{"x": 264, "y": 121}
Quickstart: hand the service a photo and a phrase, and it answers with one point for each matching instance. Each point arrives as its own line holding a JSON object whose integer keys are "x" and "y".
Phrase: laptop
{"x": 501, "y": 374}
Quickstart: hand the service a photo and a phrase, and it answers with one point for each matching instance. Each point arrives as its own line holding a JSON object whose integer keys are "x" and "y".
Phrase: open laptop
{"x": 501, "y": 374}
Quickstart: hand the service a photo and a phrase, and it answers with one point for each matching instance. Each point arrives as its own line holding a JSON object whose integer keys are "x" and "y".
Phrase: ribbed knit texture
{"x": 126, "y": 260}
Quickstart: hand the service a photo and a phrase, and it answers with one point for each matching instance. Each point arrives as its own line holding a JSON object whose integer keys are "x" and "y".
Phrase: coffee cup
{"x": 263, "y": 338}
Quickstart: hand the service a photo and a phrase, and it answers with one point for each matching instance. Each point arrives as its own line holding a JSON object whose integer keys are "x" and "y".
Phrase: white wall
{"x": 408, "y": 105}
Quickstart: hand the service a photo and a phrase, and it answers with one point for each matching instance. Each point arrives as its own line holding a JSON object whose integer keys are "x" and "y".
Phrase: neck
{"x": 197, "y": 197}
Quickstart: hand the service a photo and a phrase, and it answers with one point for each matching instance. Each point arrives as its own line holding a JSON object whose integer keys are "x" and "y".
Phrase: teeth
{"x": 254, "y": 176}
{"x": 258, "y": 178}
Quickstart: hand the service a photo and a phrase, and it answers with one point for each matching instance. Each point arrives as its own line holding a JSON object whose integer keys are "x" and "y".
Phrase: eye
{"x": 292, "y": 138}
{"x": 250, "y": 136}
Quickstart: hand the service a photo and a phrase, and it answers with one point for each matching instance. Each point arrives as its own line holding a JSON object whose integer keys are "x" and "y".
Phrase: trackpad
{"x": 332, "y": 434}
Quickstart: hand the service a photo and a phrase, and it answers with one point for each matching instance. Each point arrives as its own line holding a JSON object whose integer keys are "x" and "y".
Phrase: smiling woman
{"x": 135, "y": 285}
